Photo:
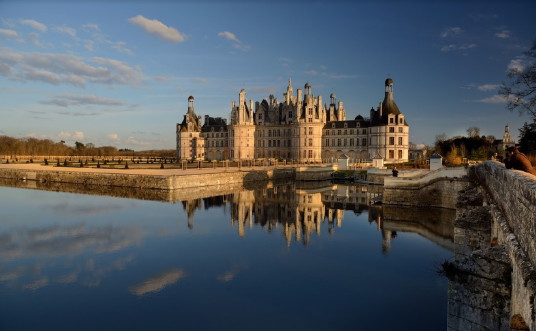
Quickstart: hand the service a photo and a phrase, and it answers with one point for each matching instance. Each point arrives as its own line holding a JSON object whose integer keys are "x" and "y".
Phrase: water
{"x": 282, "y": 257}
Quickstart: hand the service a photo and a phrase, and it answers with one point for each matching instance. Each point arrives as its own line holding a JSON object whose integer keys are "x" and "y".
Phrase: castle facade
{"x": 299, "y": 128}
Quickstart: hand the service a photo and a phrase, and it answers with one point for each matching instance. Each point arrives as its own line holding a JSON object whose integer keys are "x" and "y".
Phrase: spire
{"x": 389, "y": 106}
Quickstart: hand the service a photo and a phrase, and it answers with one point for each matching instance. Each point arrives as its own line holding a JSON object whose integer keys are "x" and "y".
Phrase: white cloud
{"x": 157, "y": 28}
{"x": 232, "y": 37}
{"x": 451, "y": 32}
{"x": 488, "y": 87}
{"x": 89, "y": 44}
{"x": 8, "y": 33}
{"x": 457, "y": 47}
{"x": 504, "y": 34}
{"x": 120, "y": 46}
{"x": 229, "y": 35}
{"x": 69, "y": 69}
{"x": 71, "y": 135}
{"x": 134, "y": 141}
{"x": 112, "y": 136}
{"x": 493, "y": 99}
{"x": 34, "y": 24}
{"x": 33, "y": 37}
{"x": 66, "y": 30}
{"x": 516, "y": 65}
{"x": 199, "y": 80}
{"x": 67, "y": 100}
{"x": 91, "y": 26}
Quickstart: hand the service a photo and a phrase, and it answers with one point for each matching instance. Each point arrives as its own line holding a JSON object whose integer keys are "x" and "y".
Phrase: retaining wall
{"x": 437, "y": 188}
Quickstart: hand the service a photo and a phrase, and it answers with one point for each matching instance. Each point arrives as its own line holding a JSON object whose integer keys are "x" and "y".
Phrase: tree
{"x": 527, "y": 137}
{"x": 473, "y": 132}
{"x": 520, "y": 89}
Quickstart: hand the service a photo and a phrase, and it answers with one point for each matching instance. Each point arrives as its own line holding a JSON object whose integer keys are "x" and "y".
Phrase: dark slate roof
{"x": 218, "y": 124}
{"x": 351, "y": 124}
{"x": 435, "y": 156}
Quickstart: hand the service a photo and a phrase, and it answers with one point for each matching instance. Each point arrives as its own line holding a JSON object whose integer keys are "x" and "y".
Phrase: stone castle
{"x": 299, "y": 128}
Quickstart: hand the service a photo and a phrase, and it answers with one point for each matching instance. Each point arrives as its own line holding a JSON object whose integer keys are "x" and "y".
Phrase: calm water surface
{"x": 282, "y": 258}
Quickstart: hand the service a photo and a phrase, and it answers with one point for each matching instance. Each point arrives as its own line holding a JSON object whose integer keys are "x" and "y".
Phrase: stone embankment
{"x": 173, "y": 179}
{"x": 492, "y": 278}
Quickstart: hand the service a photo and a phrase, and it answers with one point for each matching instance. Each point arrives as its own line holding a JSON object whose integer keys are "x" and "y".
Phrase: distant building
{"x": 502, "y": 144}
{"x": 299, "y": 128}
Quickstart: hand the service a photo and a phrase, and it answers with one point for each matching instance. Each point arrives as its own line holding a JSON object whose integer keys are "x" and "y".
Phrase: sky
{"x": 119, "y": 73}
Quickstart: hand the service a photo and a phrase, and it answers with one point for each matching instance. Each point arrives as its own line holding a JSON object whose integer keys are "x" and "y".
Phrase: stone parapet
{"x": 514, "y": 193}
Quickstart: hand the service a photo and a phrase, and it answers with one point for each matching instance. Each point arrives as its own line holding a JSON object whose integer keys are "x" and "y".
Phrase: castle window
{"x": 351, "y": 141}
{"x": 364, "y": 131}
{"x": 338, "y": 142}
{"x": 310, "y": 120}
{"x": 400, "y": 140}
{"x": 269, "y": 143}
{"x": 345, "y": 125}
{"x": 327, "y": 142}
{"x": 289, "y": 114}
{"x": 391, "y": 140}
{"x": 310, "y": 154}
{"x": 401, "y": 130}
{"x": 310, "y": 130}
{"x": 333, "y": 125}
{"x": 391, "y": 120}
{"x": 358, "y": 124}
{"x": 399, "y": 154}
{"x": 269, "y": 133}
{"x": 345, "y": 141}
{"x": 364, "y": 142}
{"x": 391, "y": 129}
{"x": 391, "y": 154}
{"x": 310, "y": 142}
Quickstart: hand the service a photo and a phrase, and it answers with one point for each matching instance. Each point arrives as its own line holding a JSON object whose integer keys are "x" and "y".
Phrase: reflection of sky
{"x": 124, "y": 260}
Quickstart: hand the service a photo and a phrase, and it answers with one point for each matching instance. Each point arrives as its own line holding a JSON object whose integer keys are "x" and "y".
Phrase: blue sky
{"x": 119, "y": 73}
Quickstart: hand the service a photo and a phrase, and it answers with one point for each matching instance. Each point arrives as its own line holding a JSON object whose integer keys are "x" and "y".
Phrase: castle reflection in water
{"x": 300, "y": 209}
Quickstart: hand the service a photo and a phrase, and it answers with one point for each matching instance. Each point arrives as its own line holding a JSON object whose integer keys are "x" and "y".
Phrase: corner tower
{"x": 190, "y": 145}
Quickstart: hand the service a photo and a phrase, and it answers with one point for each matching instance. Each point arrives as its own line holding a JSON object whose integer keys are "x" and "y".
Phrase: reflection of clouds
{"x": 69, "y": 278}
{"x": 37, "y": 284}
{"x": 157, "y": 282}
{"x": 69, "y": 210}
{"x": 227, "y": 277}
{"x": 230, "y": 275}
{"x": 66, "y": 240}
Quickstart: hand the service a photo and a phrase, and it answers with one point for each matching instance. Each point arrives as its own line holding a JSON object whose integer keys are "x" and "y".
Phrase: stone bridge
{"x": 492, "y": 279}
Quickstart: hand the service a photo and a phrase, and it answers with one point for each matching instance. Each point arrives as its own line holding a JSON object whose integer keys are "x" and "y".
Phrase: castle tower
{"x": 190, "y": 145}
{"x": 242, "y": 129}
{"x": 389, "y": 131}
{"x": 307, "y": 133}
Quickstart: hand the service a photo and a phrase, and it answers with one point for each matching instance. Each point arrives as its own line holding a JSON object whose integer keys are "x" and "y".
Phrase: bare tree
{"x": 520, "y": 89}
{"x": 473, "y": 132}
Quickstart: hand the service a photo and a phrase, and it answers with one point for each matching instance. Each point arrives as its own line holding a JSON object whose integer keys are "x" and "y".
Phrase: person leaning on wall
{"x": 518, "y": 161}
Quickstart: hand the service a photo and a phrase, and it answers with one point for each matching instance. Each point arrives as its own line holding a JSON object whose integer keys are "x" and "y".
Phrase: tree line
{"x": 43, "y": 147}
{"x": 10, "y": 146}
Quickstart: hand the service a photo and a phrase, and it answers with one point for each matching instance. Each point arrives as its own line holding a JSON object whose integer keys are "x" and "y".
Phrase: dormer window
{"x": 333, "y": 125}
{"x": 345, "y": 125}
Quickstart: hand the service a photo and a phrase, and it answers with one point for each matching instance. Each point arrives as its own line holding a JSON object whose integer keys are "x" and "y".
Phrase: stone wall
{"x": 514, "y": 193}
{"x": 146, "y": 181}
{"x": 435, "y": 189}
